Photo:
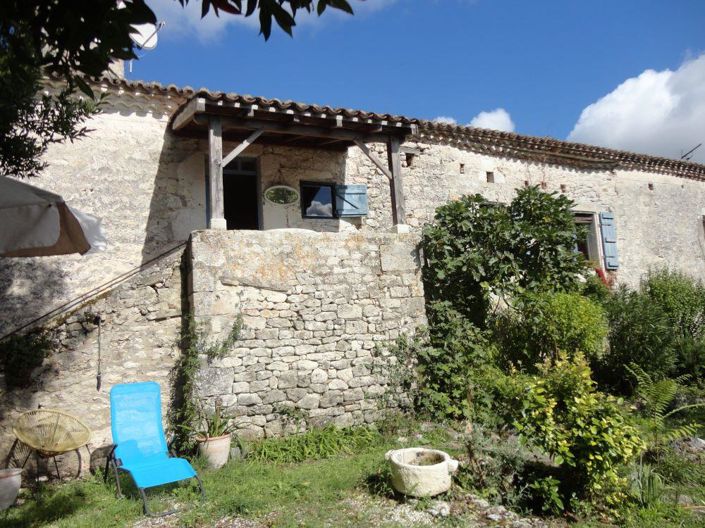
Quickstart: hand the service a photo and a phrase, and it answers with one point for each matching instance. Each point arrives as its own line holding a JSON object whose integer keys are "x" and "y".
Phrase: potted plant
{"x": 213, "y": 436}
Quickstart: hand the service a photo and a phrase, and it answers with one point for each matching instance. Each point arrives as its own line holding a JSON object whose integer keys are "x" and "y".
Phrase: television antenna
{"x": 145, "y": 36}
{"x": 688, "y": 155}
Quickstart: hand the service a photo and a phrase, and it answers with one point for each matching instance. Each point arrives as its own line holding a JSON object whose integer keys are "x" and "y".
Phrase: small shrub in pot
{"x": 213, "y": 436}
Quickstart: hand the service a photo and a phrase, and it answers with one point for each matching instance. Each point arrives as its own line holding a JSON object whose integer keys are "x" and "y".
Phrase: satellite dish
{"x": 145, "y": 35}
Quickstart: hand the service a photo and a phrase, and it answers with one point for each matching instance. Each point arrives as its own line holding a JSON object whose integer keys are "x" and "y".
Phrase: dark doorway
{"x": 241, "y": 194}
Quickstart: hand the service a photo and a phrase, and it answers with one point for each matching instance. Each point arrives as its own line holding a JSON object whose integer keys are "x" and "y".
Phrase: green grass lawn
{"x": 312, "y": 493}
{"x": 348, "y": 488}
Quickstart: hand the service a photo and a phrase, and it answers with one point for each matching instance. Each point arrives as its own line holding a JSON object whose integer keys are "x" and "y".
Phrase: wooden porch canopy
{"x": 245, "y": 119}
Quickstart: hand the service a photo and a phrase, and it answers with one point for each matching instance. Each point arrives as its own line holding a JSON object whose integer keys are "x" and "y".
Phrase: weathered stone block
{"x": 248, "y": 399}
{"x": 288, "y": 379}
{"x": 240, "y": 387}
{"x": 337, "y": 384}
{"x": 215, "y": 381}
{"x": 319, "y": 376}
{"x": 310, "y": 401}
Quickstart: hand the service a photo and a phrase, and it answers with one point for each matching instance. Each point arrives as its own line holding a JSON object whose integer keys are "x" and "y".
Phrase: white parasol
{"x": 37, "y": 223}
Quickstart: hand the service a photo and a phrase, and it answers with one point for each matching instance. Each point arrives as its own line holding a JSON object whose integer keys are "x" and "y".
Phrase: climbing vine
{"x": 195, "y": 344}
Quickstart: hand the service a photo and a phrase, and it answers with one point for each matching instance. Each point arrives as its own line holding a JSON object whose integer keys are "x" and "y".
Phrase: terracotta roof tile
{"x": 491, "y": 142}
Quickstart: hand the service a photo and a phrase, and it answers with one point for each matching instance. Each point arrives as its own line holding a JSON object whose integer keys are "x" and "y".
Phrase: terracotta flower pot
{"x": 215, "y": 450}
{"x": 10, "y": 480}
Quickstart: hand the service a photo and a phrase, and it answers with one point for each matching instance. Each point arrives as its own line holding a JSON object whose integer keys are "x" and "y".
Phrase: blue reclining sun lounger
{"x": 139, "y": 445}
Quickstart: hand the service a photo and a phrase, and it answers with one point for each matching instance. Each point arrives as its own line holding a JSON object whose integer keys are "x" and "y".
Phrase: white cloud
{"x": 498, "y": 119}
{"x": 661, "y": 113}
{"x": 319, "y": 209}
{"x": 186, "y": 22}
{"x": 445, "y": 120}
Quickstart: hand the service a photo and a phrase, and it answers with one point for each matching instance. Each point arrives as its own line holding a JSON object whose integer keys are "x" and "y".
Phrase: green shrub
{"x": 495, "y": 467}
{"x": 495, "y": 395}
{"x": 682, "y": 300}
{"x": 477, "y": 251}
{"x": 457, "y": 347}
{"x": 595, "y": 289}
{"x": 660, "y": 328}
{"x": 547, "y": 493}
{"x": 639, "y": 333}
{"x": 579, "y": 428}
{"x": 428, "y": 374}
{"x": 548, "y": 323}
{"x": 315, "y": 444}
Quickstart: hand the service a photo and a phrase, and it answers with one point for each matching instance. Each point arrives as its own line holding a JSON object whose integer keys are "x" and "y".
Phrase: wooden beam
{"x": 292, "y": 139}
{"x": 308, "y": 130}
{"x": 241, "y": 147}
{"x": 216, "y": 219}
{"x": 395, "y": 183}
{"x": 187, "y": 113}
{"x": 374, "y": 159}
{"x": 330, "y": 142}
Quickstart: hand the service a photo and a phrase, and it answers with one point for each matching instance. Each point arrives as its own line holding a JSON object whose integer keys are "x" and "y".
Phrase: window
{"x": 317, "y": 200}
{"x": 588, "y": 243}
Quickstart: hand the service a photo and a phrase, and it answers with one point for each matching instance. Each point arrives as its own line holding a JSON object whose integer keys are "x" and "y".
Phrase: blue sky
{"x": 542, "y": 61}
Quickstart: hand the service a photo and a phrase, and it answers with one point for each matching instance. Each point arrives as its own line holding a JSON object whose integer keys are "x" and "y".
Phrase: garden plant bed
{"x": 340, "y": 490}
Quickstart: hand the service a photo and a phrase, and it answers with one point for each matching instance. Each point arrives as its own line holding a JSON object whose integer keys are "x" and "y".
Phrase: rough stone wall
{"x": 139, "y": 335}
{"x": 314, "y": 305}
{"x": 655, "y": 227}
{"x": 148, "y": 187}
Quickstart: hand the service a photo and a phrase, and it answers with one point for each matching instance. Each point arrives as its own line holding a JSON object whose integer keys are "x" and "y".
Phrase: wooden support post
{"x": 395, "y": 183}
{"x": 216, "y": 219}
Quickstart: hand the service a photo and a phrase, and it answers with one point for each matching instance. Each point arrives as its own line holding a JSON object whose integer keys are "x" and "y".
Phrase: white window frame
{"x": 590, "y": 220}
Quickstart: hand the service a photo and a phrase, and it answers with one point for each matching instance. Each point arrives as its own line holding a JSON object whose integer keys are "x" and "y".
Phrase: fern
{"x": 656, "y": 398}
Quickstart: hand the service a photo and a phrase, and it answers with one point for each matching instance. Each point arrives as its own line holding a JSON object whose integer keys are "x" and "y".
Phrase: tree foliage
{"x": 283, "y": 12}
{"x": 477, "y": 251}
{"x": 546, "y": 324}
{"x": 75, "y": 41}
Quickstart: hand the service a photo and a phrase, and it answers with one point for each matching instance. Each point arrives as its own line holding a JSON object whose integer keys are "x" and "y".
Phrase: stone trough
{"x": 421, "y": 472}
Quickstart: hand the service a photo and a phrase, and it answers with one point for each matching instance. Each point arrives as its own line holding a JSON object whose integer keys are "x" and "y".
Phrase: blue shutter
{"x": 609, "y": 240}
{"x": 350, "y": 200}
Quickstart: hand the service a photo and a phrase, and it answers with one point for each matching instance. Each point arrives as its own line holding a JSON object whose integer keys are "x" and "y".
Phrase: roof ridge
{"x": 490, "y": 141}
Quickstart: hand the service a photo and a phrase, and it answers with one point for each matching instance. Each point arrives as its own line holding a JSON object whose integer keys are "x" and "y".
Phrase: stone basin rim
{"x": 390, "y": 455}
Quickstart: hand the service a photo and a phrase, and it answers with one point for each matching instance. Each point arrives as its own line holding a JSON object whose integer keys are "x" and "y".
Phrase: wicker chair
{"x": 50, "y": 432}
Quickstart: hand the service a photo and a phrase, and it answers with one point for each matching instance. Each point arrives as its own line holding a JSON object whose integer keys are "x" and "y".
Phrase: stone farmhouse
{"x": 305, "y": 221}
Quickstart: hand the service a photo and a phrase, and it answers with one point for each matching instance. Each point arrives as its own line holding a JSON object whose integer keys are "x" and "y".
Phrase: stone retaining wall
{"x": 139, "y": 342}
{"x": 314, "y": 306}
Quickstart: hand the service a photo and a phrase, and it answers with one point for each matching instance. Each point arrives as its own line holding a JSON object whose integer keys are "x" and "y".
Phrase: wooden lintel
{"x": 395, "y": 183}
{"x": 374, "y": 159}
{"x": 241, "y": 147}
{"x": 188, "y": 112}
